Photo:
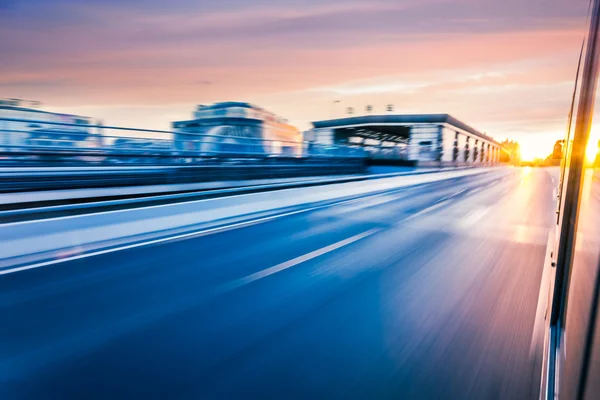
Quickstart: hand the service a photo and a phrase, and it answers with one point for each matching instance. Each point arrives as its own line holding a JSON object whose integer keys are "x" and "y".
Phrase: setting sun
{"x": 592, "y": 148}
{"x": 530, "y": 153}
{"x": 535, "y": 147}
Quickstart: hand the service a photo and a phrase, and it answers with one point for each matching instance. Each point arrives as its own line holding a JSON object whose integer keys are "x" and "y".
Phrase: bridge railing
{"x": 388, "y": 152}
{"x": 31, "y": 140}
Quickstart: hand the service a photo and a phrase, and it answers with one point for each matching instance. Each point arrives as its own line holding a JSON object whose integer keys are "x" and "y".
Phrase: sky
{"x": 504, "y": 67}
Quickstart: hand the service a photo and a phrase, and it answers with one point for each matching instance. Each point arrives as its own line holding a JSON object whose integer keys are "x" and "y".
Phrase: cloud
{"x": 496, "y": 64}
{"x": 67, "y": 27}
{"x": 35, "y": 83}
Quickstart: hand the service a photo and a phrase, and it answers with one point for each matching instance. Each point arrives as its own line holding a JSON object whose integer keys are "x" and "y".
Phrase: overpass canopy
{"x": 394, "y": 127}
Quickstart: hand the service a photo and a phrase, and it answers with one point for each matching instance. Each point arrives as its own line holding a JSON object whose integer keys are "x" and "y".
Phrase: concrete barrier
{"x": 51, "y": 238}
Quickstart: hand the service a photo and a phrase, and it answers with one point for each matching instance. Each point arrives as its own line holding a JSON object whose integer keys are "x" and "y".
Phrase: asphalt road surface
{"x": 428, "y": 292}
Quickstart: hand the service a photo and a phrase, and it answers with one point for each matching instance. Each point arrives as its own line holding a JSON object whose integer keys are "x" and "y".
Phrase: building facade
{"x": 236, "y": 127}
{"x": 418, "y": 139}
{"x": 23, "y": 124}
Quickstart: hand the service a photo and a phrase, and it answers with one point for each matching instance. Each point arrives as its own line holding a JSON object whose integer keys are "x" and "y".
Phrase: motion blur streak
{"x": 439, "y": 306}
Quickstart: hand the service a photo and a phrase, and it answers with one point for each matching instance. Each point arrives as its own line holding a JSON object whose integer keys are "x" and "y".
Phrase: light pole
{"x": 333, "y": 108}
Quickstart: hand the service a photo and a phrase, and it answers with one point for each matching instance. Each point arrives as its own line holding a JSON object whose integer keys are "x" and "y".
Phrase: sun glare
{"x": 530, "y": 150}
{"x": 592, "y": 149}
{"x": 535, "y": 148}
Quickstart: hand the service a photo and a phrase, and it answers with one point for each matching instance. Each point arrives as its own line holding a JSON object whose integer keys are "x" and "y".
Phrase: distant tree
{"x": 557, "y": 151}
{"x": 513, "y": 148}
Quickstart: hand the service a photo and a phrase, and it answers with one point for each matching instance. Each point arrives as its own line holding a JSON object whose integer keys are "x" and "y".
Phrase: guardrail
{"x": 98, "y": 177}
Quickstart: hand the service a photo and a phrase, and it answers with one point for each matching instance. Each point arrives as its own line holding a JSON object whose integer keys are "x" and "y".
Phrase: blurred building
{"x": 423, "y": 139}
{"x": 236, "y": 127}
{"x": 23, "y": 123}
{"x": 135, "y": 150}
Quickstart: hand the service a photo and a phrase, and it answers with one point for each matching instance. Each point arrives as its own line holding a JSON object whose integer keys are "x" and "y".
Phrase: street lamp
{"x": 333, "y": 107}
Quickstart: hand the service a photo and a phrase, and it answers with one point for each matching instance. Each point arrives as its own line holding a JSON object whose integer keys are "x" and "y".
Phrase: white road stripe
{"x": 477, "y": 190}
{"x": 473, "y": 217}
{"x": 298, "y": 260}
{"x": 188, "y": 235}
{"x": 443, "y": 201}
{"x": 426, "y": 210}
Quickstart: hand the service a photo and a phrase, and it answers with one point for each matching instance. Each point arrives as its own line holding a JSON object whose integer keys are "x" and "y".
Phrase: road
{"x": 427, "y": 292}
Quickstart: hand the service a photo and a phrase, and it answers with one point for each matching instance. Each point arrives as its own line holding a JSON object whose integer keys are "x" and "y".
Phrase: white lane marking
{"x": 473, "y": 217}
{"x": 441, "y": 202}
{"x": 451, "y": 195}
{"x": 298, "y": 260}
{"x": 374, "y": 201}
{"x": 66, "y": 344}
{"x": 444, "y": 200}
{"x": 426, "y": 210}
{"x": 187, "y": 235}
{"x": 476, "y": 190}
